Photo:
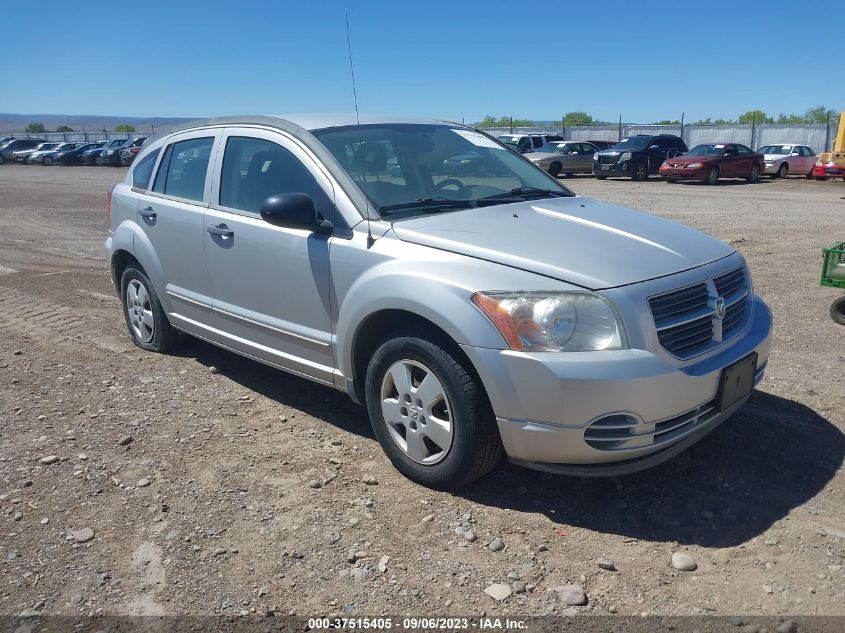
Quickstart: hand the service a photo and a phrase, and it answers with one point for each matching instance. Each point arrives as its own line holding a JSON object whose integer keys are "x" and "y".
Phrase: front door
{"x": 271, "y": 285}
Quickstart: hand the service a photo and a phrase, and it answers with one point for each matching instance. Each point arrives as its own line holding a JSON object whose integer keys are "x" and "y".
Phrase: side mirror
{"x": 654, "y": 147}
{"x": 794, "y": 154}
{"x": 294, "y": 211}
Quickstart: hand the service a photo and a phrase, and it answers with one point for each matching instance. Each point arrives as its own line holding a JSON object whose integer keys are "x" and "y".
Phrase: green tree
{"x": 35, "y": 128}
{"x": 124, "y": 127}
{"x": 487, "y": 121}
{"x": 64, "y": 128}
{"x": 668, "y": 122}
{"x": 578, "y": 118}
{"x": 754, "y": 116}
{"x": 789, "y": 118}
{"x": 819, "y": 114}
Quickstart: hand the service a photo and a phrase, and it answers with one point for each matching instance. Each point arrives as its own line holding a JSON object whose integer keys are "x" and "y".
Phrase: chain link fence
{"x": 78, "y": 137}
{"x": 816, "y": 136}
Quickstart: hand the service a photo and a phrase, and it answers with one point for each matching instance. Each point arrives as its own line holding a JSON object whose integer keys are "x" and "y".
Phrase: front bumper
{"x": 545, "y": 402}
{"x": 771, "y": 168}
{"x": 828, "y": 171}
{"x": 614, "y": 170}
{"x": 679, "y": 173}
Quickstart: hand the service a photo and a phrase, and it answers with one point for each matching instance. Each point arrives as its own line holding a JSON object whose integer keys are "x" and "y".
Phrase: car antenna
{"x": 370, "y": 240}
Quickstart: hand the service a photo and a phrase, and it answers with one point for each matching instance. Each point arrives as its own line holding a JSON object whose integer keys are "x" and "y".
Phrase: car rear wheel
{"x": 640, "y": 172}
{"x": 783, "y": 170}
{"x": 601, "y": 177}
{"x": 148, "y": 324}
{"x": 671, "y": 181}
{"x": 712, "y": 176}
{"x": 754, "y": 176}
{"x": 430, "y": 412}
{"x": 837, "y": 310}
{"x": 47, "y": 160}
{"x": 554, "y": 169}
{"x": 2, "y": 160}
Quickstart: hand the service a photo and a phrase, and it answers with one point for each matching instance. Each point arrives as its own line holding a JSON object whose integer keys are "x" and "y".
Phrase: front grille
{"x": 686, "y": 319}
{"x": 622, "y": 432}
{"x": 607, "y": 160}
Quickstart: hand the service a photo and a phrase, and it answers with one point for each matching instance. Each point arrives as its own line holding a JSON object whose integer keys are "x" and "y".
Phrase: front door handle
{"x": 220, "y": 229}
{"x": 148, "y": 213}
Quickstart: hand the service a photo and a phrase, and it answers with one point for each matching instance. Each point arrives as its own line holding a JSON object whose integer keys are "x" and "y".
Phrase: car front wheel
{"x": 712, "y": 176}
{"x": 430, "y": 412}
{"x": 837, "y": 310}
{"x": 783, "y": 170}
{"x": 754, "y": 176}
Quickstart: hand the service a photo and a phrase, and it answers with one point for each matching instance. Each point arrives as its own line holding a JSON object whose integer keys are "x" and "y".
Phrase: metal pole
{"x": 682, "y": 127}
{"x": 827, "y": 134}
{"x": 620, "y": 127}
{"x": 511, "y": 127}
{"x": 563, "y": 127}
{"x": 753, "y": 127}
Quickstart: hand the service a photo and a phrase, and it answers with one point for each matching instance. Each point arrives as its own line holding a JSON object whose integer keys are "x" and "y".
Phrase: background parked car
{"x": 22, "y": 154}
{"x": 527, "y": 142}
{"x": 564, "y": 157}
{"x": 601, "y": 144}
{"x": 73, "y": 156}
{"x": 111, "y": 156}
{"x": 637, "y": 156}
{"x": 7, "y": 152}
{"x": 128, "y": 154}
{"x": 6, "y": 139}
{"x": 91, "y": 156}
{"x": 471, "y": 164}
{"x": 783, "y": 160}
{"x": 48, "y": 156}
{"x": 709, "y": 162}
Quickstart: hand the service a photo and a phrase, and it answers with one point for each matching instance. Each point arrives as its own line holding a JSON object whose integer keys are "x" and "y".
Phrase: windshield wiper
{"x": 522, "y": 192}
{"x": 428, "y": 203}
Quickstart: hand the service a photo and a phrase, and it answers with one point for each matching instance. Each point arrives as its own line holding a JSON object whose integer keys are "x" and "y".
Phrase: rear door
{"x": 585, "y": 157}
{"x": 808, "y": 160}
{"x": 271, "y": 284}
{"x": 170, "y": 216}
{"x": 744, "y": 161}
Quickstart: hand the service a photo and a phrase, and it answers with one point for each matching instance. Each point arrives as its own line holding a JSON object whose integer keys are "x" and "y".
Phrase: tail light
{"x": 108, "y": 205}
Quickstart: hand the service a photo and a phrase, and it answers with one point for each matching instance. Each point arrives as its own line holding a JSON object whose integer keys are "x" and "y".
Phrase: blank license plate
{"x": 737, "y": 382}
{"x": 606, "y": 167}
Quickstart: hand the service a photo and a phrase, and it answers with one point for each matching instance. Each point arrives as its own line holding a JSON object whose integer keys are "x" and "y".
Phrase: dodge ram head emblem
{"x": 719, "y": 308}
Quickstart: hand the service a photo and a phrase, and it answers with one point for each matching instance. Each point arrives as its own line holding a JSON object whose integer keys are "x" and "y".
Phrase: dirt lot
{"x": 207, "y": 507}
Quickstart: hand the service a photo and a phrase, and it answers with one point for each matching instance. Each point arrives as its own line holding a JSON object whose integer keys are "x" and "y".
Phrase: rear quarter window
{"x": 144, "y": 169}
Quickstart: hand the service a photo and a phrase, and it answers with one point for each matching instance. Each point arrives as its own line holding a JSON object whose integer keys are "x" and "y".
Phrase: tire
{"x": 754, "y": 176}
{"x": 459, "y": 415}
{"x": 155, "y": 335}
{"x": 47, "y": 161}
{"x": 809, "y": 176}
{"x": 640, "y": 172}
{"x": 570, "y": 174}
{"x": 2, "y": 160}
{"x": 712, "y": 176}
{"x": 821, "y": 177}
{"x": 783, "y": 170}
{"x": 601, "y": 177}
{"x": 554, "y": 169}
{"x": 670, "y": 181}
{"x": 837, "y": 310}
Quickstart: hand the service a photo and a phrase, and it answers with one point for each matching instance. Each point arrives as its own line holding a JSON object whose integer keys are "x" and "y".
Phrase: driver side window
{"x": 255, "y": 169}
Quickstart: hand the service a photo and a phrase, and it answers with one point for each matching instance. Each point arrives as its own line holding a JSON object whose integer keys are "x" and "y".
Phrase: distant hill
{"x": 90, "y": 122}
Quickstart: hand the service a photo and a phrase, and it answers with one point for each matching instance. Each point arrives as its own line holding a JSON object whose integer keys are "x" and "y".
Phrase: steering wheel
{"x": 449, "y": 182}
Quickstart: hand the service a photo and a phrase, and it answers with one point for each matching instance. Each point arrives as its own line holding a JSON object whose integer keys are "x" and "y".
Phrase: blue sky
{"x": 645, "y": 60}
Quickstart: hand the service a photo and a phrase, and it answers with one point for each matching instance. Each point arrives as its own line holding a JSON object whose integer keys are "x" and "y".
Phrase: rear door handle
{"x": 148, "y": 213}
{"x": 220, "y": 229}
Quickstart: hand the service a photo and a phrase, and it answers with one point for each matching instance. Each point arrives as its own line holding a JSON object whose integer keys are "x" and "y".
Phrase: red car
{"x": 830, "y": 169}
{"x": 707, "y": 163}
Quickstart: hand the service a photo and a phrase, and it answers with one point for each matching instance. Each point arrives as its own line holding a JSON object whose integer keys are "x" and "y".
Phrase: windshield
{"x": 706, "y": 150}
{"x": 635, "y": 142}
{"x": 556, "y": 148}
{"x": 431, "y": 168}
{"x": 64, "y": 147}
{"x": 778, "y": 150}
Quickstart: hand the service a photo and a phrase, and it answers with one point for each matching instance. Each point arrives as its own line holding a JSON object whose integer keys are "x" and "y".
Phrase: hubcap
{"x": 140, "y": 311}
{"x": 417, "y": 412}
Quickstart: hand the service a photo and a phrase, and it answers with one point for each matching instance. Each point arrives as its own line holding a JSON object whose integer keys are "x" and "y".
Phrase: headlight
{"x": 553, "y": 321}
{"x": 596, "y": 156}
{"x": 625, "y": 156}
{"x": 695, "y": 165}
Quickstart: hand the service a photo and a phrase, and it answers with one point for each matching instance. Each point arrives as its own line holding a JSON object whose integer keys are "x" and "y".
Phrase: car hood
{"x": 578, "y": 240}
{"x": 537, "y": 156}
{"x": 688, "y": 160}
{"x": 773, "y": 157}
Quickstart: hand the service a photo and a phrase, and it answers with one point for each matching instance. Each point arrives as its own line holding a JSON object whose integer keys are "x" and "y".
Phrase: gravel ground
{"x": 203, "y": 483}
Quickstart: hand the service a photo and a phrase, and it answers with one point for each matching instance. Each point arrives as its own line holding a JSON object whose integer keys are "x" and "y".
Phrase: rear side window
{"x": 255, "y": 169}
{"x": 183, "y": 169}
{"x": 144, "y": 169}
{"x": 742, "y": 150}
{"x": 537, "y": 140}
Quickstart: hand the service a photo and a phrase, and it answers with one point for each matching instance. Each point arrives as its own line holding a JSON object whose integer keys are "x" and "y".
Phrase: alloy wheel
{"x": 417, "y": 412}
{"x": 140, "y": 311}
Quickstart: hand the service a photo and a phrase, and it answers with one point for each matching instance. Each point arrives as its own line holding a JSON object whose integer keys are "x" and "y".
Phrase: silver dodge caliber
{"x": 472, "y": 314}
